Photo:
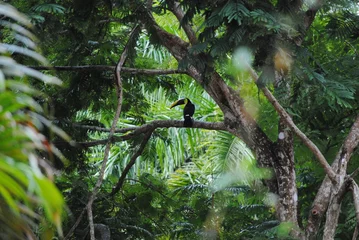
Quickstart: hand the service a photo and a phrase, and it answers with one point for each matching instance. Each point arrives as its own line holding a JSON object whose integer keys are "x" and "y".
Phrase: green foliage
{"x": 188, "y": 183}
{"x": 30, "y": 203}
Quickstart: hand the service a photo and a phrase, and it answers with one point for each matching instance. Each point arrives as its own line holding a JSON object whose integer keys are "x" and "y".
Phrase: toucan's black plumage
{"x": 188, "y": 111}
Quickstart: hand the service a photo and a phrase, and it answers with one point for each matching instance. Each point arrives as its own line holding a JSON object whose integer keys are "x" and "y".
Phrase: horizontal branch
{"x": 158, "y": 124}
{"x": 110, "y": 68}
{"x": 135, "y": 131}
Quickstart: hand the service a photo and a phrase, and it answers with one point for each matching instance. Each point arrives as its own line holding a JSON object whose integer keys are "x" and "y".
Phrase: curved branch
{"x": 289, "y": 121}
{"x": 178, "y": 12}
{"x": 110, "y": 68}
{"x": 112, "y": 130}
{"x": 108, "y": 143}
{"x": 174, "y": 44}
{"x": 131, "y": 162}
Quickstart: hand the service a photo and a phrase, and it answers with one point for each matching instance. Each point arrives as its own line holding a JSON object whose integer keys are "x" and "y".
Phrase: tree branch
{"x": 350, "y": 143}
{"x": 112, "y": 130}
{"x": 323, "y": 197}
{"x": 110, "y": 68}
{"x": 175, "y": 45}
{"x": 333, "y": 211}
{"x": 131, "y": 163}
{"x": 113, "y": 126}
{"x": 287, "y": 118}
{"x": 90, "y": 217}
{"x": 135, "y": 131}
{"x": 68, "y": 235}
{"x": 178, "y": 12}
{"x": 355, "y": 191}
{"x": 158, "y": 124}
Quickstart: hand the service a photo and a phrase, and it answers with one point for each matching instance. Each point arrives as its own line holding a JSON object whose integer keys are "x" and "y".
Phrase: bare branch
{"x": 131, "y": 163}
{"x": 354, "y": 173}
{"x": 110, "y": 68}
{"x": 158, "y": 124}
{"x": 356, "y": 232}
{"x": 289, "y": 121}
{"x": 112, "y": 130}
{"x": 135, "y": 131}
{"x": 76, "y": 224}
{"x": 111, "y": 20}
{"x": 175, "y": 45}
{"x": 178, "y": 12}
{"x": 90, "y": 217}
{"x": 355, "y": 191}
{"x": 333, "y": 211}
{"x": 113, "y": 126}
{"x": 323, "y": 196}
{"x": 346, "y": 151}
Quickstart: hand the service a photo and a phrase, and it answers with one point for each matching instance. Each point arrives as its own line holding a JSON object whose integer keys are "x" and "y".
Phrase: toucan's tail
{"x": 188, "y": 121}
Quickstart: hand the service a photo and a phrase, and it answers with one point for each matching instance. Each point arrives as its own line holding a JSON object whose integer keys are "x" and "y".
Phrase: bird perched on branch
{"x": 188, "y": 111}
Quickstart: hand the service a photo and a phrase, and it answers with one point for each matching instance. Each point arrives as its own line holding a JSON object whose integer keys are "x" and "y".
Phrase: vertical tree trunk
{"x": 286, "y": 177}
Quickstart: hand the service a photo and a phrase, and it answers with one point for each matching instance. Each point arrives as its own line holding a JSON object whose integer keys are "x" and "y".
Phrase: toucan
{"x": 188, "y": 111}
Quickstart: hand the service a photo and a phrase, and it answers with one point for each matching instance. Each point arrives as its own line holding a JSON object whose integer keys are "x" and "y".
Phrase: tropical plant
{"x": 31, "y": 206}
{"x": 296, "y": 117}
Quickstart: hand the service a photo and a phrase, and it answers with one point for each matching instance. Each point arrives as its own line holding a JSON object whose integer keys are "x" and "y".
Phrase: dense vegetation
{"x": 272, "y": 149}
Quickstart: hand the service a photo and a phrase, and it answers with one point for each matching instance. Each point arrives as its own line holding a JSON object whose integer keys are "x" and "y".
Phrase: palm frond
{"x": 22, "y": 177}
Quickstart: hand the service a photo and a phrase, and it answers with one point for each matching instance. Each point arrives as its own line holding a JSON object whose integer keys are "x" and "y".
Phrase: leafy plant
{"x": 30, "y": 203}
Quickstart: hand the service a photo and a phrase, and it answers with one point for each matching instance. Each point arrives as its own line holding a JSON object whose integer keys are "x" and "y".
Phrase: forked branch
{"x": 132, "y": 161}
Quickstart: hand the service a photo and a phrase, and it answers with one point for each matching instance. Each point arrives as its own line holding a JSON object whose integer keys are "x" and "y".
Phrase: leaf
{"x": 9, "y": 200}
{"x": 198, "y": 48}
{"x": 24, "y": 51}
{"x": 49, "y": 8}
{"x": 52, "y": 201}
{"x": 11, "y": 12}
{"x": 18, "y": 29}
{"x": 12, "y": 186}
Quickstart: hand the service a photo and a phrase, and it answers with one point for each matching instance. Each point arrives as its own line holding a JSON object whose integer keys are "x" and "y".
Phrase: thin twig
{"x": 289, "y": 121}
{"x": 108, "y": 145}
{"x": 131, "y": 163}
{"x": 113, "y": 127}
{"x": 110, "y": 68}
{"x": 354, "y": 173}
{"x": 76, "y": 224}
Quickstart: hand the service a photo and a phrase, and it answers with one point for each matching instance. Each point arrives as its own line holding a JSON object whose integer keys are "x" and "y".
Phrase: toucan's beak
{"x": 178, "y": 102}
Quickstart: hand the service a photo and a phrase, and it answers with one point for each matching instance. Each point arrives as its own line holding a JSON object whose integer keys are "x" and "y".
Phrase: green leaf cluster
{"x": 30, "y": 203}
